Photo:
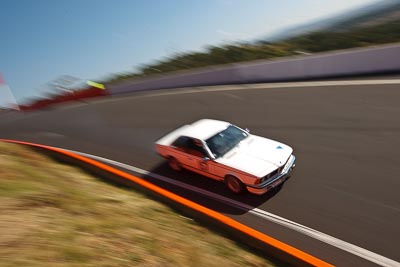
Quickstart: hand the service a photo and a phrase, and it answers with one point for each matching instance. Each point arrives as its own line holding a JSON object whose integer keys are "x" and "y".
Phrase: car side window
{"x": 181, "y": 143}
{"x": 190, "y": 145}
{"x": 196, "y": 148}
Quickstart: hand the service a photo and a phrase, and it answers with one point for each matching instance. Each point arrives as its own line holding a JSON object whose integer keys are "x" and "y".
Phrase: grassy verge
{"x": 57, "y": 215}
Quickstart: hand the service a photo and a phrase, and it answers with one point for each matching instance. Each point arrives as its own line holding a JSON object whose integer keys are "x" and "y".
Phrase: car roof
{"x": 205, "y": 128}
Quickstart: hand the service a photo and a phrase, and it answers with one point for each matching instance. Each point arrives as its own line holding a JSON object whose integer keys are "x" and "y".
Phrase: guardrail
{"x": 78, "y": 95}
{"x": 360, "y": 61}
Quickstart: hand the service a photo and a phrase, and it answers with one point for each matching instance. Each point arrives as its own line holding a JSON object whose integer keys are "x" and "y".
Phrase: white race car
{"x": 227, "y": 153}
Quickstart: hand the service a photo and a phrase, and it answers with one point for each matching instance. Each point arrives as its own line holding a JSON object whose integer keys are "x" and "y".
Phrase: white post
{"x": 7, "y": 98}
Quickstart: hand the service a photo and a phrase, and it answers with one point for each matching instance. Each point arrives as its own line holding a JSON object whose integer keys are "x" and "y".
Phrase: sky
{"x": 90, "y": 39}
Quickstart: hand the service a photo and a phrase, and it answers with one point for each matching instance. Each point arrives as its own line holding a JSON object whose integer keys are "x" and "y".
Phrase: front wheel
{"x": 234, "y": 184}
{"x": 174, "y": 164}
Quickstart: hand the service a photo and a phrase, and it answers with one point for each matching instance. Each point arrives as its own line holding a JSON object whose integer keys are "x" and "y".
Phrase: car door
{"x": 191, "y": 153}
{"x": 199, "y": 160}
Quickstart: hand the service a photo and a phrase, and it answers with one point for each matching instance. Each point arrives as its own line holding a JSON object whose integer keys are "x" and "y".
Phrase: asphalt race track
{"x": 346, "y": 140}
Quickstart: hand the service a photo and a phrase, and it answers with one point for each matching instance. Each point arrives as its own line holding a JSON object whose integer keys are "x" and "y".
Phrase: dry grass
{"x": 57, "y": 215}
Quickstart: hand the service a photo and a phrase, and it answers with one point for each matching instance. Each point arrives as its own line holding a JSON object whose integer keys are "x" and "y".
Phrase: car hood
{"x": 257, "y": 156}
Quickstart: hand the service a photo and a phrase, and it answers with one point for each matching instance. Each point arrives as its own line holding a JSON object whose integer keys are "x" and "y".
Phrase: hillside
{"x": 52, "y": 214}
{"x": 367, "y": 27}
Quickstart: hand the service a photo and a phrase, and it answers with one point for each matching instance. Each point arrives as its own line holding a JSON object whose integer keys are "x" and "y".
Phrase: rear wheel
{"x": 174, "y": 164}
{"x": 234, "y": 184}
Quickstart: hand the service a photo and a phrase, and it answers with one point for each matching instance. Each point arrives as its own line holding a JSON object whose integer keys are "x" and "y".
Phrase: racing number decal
{"x": 203, "y": 166}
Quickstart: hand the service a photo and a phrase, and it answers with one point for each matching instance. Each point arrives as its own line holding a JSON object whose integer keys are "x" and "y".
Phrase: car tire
{"x": 174, "y": 164}
{"x": 234, "y": 185}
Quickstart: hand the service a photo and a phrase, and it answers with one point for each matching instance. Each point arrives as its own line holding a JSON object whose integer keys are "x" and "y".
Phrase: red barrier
{"x": 66, "y": 97}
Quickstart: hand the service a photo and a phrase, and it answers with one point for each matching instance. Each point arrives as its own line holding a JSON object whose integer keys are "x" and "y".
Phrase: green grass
{"x": 53, "y": 214}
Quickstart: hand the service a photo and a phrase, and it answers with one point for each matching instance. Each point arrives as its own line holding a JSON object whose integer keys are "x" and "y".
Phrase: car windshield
{"x": 224, "y": 141}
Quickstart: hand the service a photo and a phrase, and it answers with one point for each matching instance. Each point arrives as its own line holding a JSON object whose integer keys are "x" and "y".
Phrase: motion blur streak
{"x": 307, "y": 258}
{"x": 261, "y": 86}
{"x": 346, "y": 246}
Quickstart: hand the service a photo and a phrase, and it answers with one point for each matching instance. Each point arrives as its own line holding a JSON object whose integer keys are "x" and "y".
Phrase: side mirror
{"x": 247, "y": 130}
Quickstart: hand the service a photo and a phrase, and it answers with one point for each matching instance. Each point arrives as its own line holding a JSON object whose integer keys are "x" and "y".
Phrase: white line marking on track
{"x": 236, "y": 87}
{"x": 343, "y": 245}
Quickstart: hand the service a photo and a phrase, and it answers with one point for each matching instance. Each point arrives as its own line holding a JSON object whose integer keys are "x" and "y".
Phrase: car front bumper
{"x": 276, "y": 180}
